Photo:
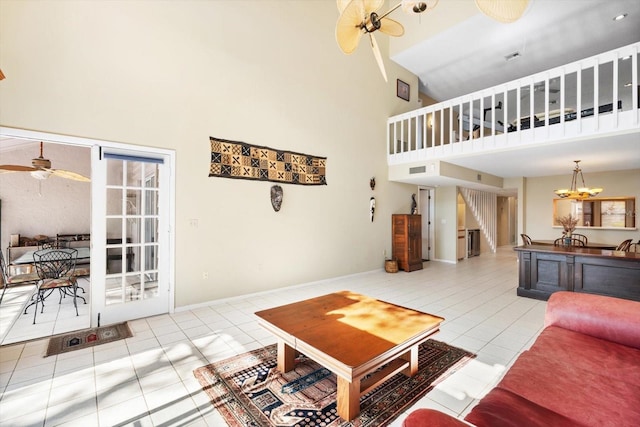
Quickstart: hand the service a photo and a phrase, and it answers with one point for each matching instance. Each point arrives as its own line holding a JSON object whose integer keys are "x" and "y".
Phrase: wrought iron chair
{"x": 624, "y": 246}
{"x": 580, "y": 237}
{"x": 9, "y": 279}
{"x": 562, "y": 241}
{"x": 56, "y": 268}
{"x": 526, "y": 240}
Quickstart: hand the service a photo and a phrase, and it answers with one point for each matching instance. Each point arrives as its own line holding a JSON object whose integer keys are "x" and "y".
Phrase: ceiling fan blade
{"x": 342, "y": 4}
{"x": 376, "y": 53}
{"x": 348, "y": 27}
{"x": 505, "y": 11}
{"x": 372, "y": 6}
{"x": 68, "y": 175}
{"x": 391, "y": 27}
{"x": 16, "y": 168}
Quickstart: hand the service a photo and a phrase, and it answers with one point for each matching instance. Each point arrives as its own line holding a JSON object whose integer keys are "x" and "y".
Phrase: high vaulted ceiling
{"x": 461, "y": 50}
{"x": 454, "y": 50}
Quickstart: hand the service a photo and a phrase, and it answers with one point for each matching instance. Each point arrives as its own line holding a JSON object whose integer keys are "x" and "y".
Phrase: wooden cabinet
{"x": 407, "y": 241}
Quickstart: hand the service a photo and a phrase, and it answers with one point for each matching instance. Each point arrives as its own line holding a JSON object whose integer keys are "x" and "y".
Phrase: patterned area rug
{"x": 88, "y": 338}
{"x": 248, "y": 390}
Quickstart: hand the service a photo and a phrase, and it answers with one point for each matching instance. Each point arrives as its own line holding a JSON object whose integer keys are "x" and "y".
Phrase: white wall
{"x": 53, "y": 206}
{"x": 171, "y": 74}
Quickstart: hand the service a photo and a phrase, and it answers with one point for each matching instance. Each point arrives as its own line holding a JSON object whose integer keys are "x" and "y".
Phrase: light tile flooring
{"x": 56, "y": 318}
{"x": 147, "y": 380}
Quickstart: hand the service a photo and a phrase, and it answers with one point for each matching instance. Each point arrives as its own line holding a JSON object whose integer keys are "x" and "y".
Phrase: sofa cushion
{"x": 616, "y": 361}
{"x": 612, "y": 319}
{"x": 501, "y": 408}
{"x": 562, "y": 386}
{"x": 430, "y": 417}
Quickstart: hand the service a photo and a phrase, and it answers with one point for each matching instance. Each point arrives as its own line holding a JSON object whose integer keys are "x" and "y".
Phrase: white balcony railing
{"x": 594, "y": 96}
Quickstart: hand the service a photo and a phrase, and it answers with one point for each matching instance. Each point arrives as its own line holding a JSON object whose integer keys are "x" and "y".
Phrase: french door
{"x": 130, "y": 217}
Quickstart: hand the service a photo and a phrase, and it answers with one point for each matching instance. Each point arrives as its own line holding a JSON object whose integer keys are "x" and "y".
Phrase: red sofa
{"x": 582, "y": 370}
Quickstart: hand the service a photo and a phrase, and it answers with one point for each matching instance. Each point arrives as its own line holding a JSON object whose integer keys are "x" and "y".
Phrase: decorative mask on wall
{"x": 276, "y": 197}
{"x": 372, "y": 207}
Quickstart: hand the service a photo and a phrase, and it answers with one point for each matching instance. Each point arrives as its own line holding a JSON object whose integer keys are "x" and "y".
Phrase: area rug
{"x": 248, "y": 390}
{"x": 87, "y": 338}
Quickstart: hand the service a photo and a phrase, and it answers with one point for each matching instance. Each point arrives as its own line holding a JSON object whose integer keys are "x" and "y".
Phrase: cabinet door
{"x": 415, "y": 238}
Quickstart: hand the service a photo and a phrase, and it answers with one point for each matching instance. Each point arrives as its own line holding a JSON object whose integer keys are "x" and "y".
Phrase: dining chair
{"x": 561, "y": 241}
{"x": 526, "y": 240}
{"x": 56, "y": 269}
{"x": 580, "y": 237}
{"x": 624, "y": 246}
{"x": 9, "y": 279}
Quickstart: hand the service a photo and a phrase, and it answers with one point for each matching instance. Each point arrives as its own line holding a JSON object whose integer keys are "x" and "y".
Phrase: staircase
{"x": 484, "y": 207}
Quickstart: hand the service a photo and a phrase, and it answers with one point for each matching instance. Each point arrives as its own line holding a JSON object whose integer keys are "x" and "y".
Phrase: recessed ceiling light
{"x": 620, "y": 17}
{"x": 628, "y": 84}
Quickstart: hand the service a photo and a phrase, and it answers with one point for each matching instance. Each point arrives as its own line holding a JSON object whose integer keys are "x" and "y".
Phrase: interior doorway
{"x": 44, "y": 209}
{"x": 507, "y": 220}
{"x": 426, "y": 209}
{"x": 153, "y": 241}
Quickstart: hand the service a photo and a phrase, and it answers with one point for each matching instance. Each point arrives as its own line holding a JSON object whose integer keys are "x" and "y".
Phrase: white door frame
{"x": 98, "y": 259}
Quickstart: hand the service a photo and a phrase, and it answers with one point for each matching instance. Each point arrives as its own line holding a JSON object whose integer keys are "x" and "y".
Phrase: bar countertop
{"x": 575, "y": 250}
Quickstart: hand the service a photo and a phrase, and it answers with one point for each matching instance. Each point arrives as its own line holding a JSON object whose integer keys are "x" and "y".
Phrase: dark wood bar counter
{"x": 545, "y": 269}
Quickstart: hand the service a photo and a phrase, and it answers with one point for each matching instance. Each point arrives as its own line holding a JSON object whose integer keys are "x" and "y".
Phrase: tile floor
{"x": 147, "y": 380}
{"x": 15, "y": 326}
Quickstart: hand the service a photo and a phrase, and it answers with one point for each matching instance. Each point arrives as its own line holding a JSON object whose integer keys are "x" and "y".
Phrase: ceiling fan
{"x": 358, "y": 17}
{"x": 41, "y": 169}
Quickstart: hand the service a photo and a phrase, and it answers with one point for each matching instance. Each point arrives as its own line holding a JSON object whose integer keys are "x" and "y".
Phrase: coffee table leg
{"x": 348, "y": 397}
{"x": 412, "y": 357}
{"x": 286, "y": 357}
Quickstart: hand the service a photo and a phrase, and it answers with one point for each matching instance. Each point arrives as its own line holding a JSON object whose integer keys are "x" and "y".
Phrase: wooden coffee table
{"x": 352, "y": 335}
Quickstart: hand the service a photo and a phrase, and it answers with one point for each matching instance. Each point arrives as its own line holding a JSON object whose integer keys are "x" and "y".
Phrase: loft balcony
{"x": 594, "y": 100}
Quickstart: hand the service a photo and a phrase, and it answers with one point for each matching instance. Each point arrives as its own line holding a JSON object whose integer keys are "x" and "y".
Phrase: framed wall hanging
{"x": 402, "y": 90}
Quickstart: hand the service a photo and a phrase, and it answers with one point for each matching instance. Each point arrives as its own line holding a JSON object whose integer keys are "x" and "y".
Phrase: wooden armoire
{"x": 407, "y": 241}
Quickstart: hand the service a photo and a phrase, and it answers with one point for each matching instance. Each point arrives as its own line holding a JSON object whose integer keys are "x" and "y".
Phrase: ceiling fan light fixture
{"x": 41, "y": 174}
{"x": 410, "y": 6}
{"x": 505, "y": 11}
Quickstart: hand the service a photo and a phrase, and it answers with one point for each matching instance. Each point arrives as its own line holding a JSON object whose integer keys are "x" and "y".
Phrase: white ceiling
{"x": 467, "y": 55}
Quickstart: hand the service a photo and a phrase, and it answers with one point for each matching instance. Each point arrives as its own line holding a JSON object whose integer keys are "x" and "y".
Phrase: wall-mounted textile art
{"x": 235, "y": 159}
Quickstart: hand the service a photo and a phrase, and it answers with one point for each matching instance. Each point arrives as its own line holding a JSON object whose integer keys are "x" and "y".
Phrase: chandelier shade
{"x": 575, "y": 192}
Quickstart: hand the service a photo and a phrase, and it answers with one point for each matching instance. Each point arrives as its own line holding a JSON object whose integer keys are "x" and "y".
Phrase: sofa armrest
{"x": 432, "y": 418}
{"x": 612, "y": 319}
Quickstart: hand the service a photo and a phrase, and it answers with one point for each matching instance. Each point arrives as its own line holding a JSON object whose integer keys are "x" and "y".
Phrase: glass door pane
{"x": 132, "y": 213}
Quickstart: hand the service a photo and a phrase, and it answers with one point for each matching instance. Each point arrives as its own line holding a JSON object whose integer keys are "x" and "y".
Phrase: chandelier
{"x": 580, "y": 193}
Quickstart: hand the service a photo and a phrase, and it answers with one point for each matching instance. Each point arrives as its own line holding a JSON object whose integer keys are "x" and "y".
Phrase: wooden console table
{"x": 545, "y": 269}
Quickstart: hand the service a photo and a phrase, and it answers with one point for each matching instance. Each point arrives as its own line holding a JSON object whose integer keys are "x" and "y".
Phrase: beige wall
{"x": 171, "y": 74}
{"x": 539, "y": 204}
